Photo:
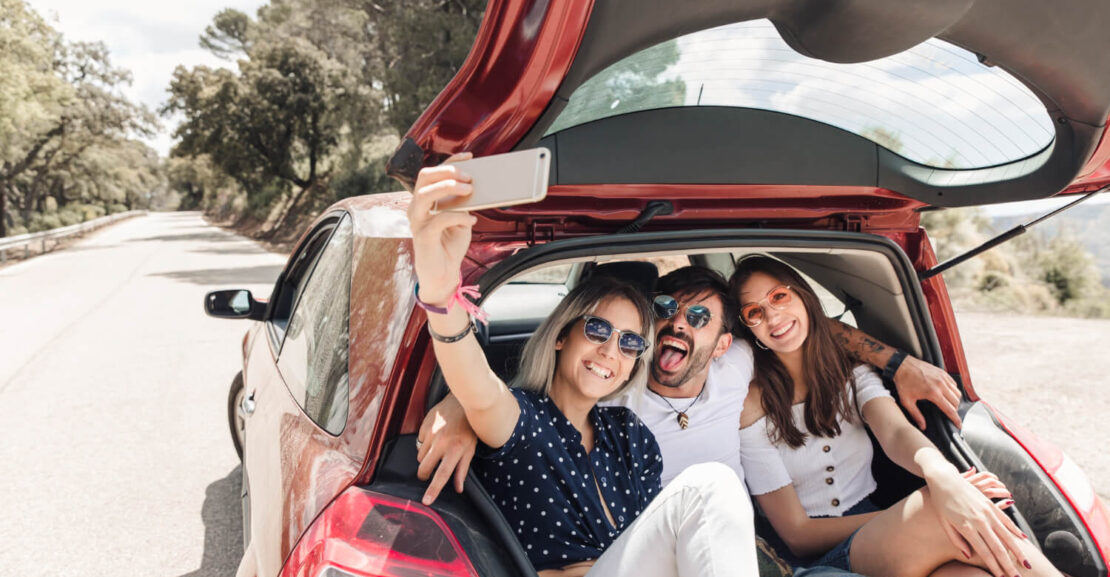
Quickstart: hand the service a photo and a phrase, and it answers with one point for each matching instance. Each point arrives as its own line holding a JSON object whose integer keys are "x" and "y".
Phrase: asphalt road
{"x": 113, "y": 393}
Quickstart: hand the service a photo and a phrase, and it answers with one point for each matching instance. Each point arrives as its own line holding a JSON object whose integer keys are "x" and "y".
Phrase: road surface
{"x": 113, "y": 396}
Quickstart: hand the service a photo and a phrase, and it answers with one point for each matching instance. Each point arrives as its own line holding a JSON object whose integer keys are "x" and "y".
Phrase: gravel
{"x": 1050, "y": 375}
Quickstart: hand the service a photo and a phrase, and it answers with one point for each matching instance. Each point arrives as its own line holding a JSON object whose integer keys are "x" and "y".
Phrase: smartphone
{"x": 503, "y": 180}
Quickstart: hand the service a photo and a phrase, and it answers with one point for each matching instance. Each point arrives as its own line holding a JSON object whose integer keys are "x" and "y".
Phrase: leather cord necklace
{"x": 683, "y": 419}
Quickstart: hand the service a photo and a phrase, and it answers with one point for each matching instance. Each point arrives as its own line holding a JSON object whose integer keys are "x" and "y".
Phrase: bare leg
{"x": 907, "y": 540}
{"x": 957, "y": 569}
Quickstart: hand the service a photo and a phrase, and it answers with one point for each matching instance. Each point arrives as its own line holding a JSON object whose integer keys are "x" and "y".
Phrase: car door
{"x": 293, "y": 462}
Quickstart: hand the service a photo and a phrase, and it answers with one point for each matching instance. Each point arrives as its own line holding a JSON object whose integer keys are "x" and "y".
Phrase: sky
{"x": 148, "y": 38}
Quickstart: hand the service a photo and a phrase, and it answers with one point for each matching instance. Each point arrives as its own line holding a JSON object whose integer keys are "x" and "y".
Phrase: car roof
{"x": 526, "y": 65}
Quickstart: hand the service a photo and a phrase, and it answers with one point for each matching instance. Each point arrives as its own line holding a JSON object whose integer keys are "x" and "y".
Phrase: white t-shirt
{"x": 830, "y": 475}
{"x": 713, "y": 430}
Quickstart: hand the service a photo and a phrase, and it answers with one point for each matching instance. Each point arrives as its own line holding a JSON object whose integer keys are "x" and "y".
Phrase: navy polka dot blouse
{"x": 546, "y": 484}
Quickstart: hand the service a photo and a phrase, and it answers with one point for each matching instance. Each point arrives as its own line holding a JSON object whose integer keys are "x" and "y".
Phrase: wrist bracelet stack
{"x": 458, "y": 296}
{"x": 893, "y": 364}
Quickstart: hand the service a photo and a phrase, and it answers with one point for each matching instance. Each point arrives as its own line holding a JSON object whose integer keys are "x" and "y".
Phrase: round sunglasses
{"x": 752, "y": 314}
{"x": 598, "y": 331}
{"x": 666, "y": 306}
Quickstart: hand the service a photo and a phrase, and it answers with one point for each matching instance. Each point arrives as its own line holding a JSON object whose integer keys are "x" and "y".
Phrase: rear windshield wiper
{"x": 1012, "y": 233}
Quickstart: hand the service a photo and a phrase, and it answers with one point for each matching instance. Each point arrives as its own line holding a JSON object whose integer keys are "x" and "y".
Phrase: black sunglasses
{"x": 598, "y": 331}
{"x": 666, "y": 306}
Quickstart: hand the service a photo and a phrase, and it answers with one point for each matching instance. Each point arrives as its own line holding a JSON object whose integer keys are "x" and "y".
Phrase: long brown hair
{"x": 826, "y": 367}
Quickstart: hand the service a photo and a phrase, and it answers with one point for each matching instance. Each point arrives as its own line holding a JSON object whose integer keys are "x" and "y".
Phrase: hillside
{"x": 1087, "y": 223}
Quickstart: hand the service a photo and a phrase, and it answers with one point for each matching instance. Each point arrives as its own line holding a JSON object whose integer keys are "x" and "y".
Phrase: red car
{"x": 680, "y": 132}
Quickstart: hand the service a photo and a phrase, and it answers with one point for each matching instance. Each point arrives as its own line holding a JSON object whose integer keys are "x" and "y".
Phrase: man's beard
{"x": 696, "y": 360}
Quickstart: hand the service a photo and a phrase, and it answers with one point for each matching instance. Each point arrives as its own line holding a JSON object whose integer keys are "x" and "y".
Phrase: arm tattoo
{"x": 858, "y": 344}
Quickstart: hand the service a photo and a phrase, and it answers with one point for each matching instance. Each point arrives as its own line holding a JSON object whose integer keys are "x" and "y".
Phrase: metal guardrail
{"x": 26, "y": 241}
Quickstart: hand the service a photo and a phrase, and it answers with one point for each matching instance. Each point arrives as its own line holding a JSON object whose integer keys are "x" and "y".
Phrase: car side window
{"x": 313, "y": 358}
{"x": 292, "y": 280}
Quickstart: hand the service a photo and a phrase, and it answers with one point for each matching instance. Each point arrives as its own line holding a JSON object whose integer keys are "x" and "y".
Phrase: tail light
{"x": 369, "y": 534}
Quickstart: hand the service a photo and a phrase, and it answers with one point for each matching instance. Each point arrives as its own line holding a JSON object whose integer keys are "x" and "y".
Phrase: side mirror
{"x": 234, "y": 304}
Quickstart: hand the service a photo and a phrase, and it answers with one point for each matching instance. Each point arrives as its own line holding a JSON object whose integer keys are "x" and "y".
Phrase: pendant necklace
{"x": 683, "y": 419}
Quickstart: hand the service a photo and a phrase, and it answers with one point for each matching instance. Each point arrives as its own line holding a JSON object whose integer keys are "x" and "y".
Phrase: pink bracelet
{"x": 460, "y": 296}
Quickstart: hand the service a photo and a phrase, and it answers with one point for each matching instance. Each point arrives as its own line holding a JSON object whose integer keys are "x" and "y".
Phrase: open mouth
{"x": 672, "y": 352}
{"x": 598, "y": 370}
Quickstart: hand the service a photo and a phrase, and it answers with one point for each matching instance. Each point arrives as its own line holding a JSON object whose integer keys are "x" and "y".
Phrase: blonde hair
{"x": 539, "y": 358}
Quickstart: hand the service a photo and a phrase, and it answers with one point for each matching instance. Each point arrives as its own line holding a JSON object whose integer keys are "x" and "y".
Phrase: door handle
{"x": 247, "y": 404}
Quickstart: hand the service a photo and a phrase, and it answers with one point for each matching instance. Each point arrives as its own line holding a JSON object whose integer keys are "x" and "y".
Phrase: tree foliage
{"x": 319, "y": 95}
{"x": 1033, "y": 273}
{"x": 67, "y": 133}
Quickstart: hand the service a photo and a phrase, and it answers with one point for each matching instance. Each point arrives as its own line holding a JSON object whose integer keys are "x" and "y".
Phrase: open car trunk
{"x": 533, "y": 62}
{"x": 866, "y": 277}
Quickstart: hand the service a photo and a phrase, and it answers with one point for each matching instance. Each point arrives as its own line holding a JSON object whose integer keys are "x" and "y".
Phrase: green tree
{"x": 275, "y": 121}
{"x": 32, "y": 96}
{"x": 420, "y": 45}
{"x": 320, "y": 95}
{"x": 95, "y": 114}
{"x": 59, "y": 102}
{"x": 229, "y": 34}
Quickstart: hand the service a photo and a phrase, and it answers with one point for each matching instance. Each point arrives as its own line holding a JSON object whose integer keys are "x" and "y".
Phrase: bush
{"x": 71, "y": 215}
{"x": 1028, "y": 297}
{"x": 74, "y": 213}
{"x": 116, "y": 208}
{"x": 41, "y": 222}
{"x": 991, "y": 280}
{"x": 1092, "y": 308}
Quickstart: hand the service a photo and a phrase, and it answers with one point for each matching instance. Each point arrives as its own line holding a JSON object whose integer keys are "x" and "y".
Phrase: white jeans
{"x": 701, "y": 524}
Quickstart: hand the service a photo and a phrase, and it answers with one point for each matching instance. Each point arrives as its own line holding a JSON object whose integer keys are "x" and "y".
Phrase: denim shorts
{"x": 838, "y": 557}
{"x": 833, "y": 563}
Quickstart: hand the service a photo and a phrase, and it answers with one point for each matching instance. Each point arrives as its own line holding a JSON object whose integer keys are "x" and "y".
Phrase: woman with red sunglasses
{"x": 807, "y": 456}
{"x": 578, "y": 483}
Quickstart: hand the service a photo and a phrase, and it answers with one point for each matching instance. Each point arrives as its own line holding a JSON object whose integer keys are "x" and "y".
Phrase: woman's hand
{"x": 973, "y": 523}
{"x": 990, "y": 486}
{"x": 446, "y": 447}
{"x": 439, "y": 241}
{"x": 917, "y": 380}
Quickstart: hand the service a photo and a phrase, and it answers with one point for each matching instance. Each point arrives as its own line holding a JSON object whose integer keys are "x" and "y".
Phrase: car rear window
{"x": 935, "y": 104}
